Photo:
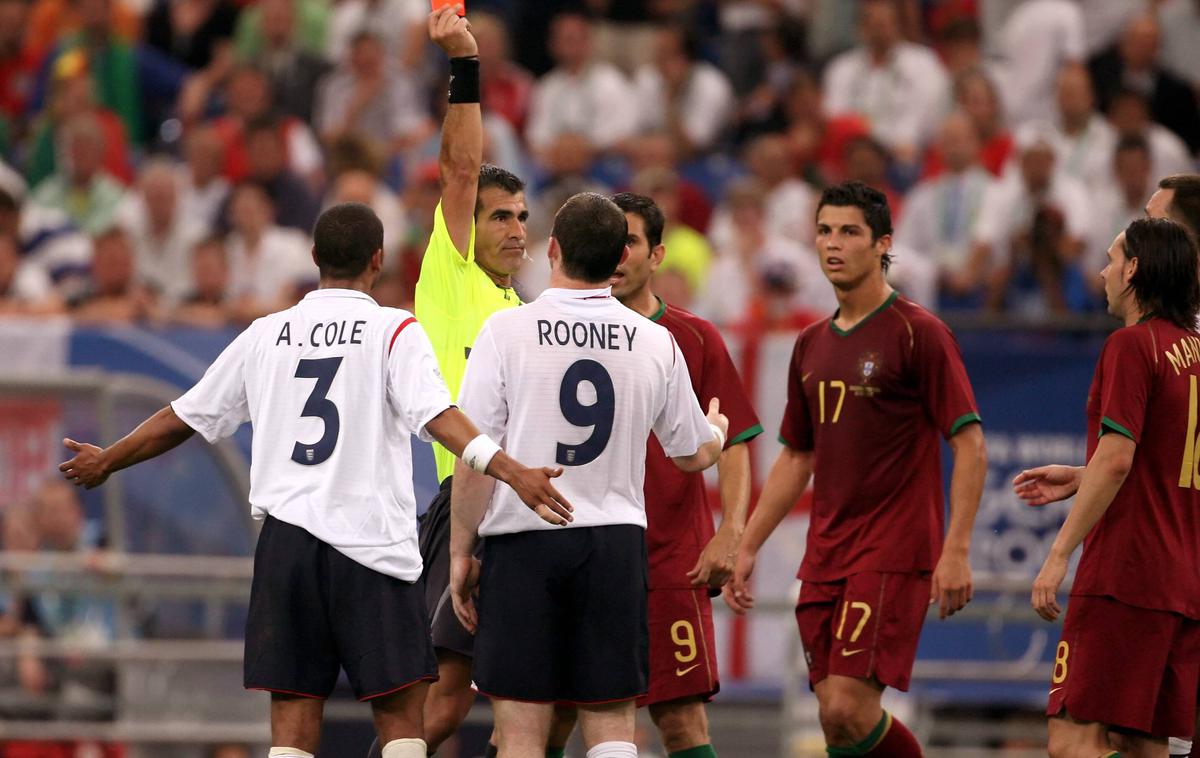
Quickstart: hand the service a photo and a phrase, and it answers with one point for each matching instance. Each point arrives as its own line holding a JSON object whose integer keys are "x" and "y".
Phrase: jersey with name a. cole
{"x": 575, "y": 379}
{"x": 872, "y": 403}
{"x": 1145, "y": 550}
{"x": 334, "y": 387}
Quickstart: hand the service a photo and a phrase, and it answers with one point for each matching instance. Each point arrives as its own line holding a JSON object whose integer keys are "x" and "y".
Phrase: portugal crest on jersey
{"x": 869, "y": 366}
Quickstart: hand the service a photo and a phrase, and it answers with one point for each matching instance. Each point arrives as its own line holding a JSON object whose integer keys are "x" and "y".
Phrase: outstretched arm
{"x": 462, "y": 130}
{"x": 733, "y": 481}
{"x": 92, "y": 465}
{"x": 952, "y": 587}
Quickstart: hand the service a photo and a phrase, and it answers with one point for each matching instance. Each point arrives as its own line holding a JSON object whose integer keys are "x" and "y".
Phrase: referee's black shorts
{"x": 433, "y": 532}
{"x": 312, "y": 610}
{"x": 562, "y": 615}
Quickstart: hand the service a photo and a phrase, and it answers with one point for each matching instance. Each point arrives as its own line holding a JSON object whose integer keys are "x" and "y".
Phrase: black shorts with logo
{"x": 313, "y": 610}
{"x": 434, "y": 539}
{"x": 562, "y": 615}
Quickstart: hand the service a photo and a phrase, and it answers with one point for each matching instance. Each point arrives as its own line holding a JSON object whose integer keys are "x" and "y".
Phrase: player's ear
{"x": 883, "y": 243}
{"x": 377, "y": 260}
{"x": 313, "y": 253}
{"x": 1131, "y": 266}
{"x": 554, "y": 253}
{"x": 657, "y": 253}
{"x": 624, "y": 256}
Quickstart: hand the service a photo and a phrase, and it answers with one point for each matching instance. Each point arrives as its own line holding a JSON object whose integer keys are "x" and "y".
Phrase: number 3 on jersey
{"x": 598, "y": 415}
{"x": 319, "y": 406}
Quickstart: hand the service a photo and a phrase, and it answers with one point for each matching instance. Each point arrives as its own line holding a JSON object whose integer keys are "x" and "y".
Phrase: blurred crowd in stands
{"x": 163, "y": 161}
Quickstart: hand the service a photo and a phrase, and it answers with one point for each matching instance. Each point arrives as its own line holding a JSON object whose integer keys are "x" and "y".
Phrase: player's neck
{"x": 643, "y": 301}
{"x": 856, "y": 304}
{"x": 559, "y": 280}
{"x": 1134, "y": 314}
{"x": 358, "y": 285}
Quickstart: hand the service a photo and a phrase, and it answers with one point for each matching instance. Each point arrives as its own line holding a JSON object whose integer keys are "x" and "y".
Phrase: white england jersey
{"x": 575, "y": 379}
{"x": 334, "y": 387}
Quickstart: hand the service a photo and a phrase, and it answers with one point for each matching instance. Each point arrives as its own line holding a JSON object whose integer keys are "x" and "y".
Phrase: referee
{"x": 478, "y": 243}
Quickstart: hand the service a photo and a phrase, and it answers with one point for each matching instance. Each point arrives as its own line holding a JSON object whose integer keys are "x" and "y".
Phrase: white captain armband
{"x": 479, "y": 453}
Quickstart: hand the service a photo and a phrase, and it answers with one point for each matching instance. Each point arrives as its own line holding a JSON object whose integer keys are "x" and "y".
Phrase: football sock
{"x": 889, "y": 738}
{"x": 491, "y": 752}
{"x": 556, "y": 752}
{"x": 405, "y": 748}
{"x": 613, "y": 750}
{"x": 1179, "y": 747}
{"x": 700, "y": 751}
{"x": 289, "y": 752}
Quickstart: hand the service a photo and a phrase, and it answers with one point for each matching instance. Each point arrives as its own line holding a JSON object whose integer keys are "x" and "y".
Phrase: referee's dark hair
{"x": 494, "y": 176}
{"x": 1185, "y": 202}
{"x": 872, "y": 203}
{"x": 345, "y": 238}
{"x": 642, "y": 206}
{"x": 1167, "y": 281}
{"x": 591, "y": 232}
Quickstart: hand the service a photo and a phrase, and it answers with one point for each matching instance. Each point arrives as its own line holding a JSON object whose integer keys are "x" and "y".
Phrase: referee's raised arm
{"x": 462, "y": 131}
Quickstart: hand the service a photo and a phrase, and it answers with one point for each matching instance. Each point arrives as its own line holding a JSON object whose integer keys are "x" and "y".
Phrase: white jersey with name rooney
{"x": 575, "y": 379}
{"x": 334, "y": 387}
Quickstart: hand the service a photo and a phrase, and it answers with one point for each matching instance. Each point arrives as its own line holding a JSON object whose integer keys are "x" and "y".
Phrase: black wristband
{"x": 464, "y": 80}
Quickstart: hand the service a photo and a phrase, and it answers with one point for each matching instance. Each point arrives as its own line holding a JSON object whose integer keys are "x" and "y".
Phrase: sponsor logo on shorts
{"x": 683, "y": 672}
{"x": 848, "y": 653}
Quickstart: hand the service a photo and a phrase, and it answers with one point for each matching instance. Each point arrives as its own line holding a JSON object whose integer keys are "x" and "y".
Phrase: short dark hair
{"x": 1132, "y": 142}
{"x": 592, "y": 232}
{"x": 1167, "y": 281}
{"x": 494, "y": 176}
{"x": 345, "y": 238}
{"x": 644, "y": 207}
{"x": 1185, "y": 205}
{"x": 872, "y": 203}
{"x": 265, "y": 124}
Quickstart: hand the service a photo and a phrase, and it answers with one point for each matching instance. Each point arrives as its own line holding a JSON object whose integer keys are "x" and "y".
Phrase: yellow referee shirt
{"x": 454, "y": 297}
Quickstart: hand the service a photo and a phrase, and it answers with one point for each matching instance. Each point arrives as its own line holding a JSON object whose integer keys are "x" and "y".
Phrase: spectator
{"x": 789, "y": 203}
{"x": 204, "y": 188}
{"x": 294, "y": 71}
{"x": 207, "y": 305}
{"x": 1179, "y": 21}
{"x": 1118, "y": 202}
{"x": 358, "y": 186}
{"x": 50, "y": 20}
{"x": 566, "y": 164}
{"x": 684, "y": 273}
{"x": 505, "y": 87}
{"x": 978, "y": 97}
{"x": 579, "y": 96}
{"x": 1033, "y": 226}
{"x": 115, "y": 297}
{"x": 25, "y": 289}
{"x": 1085, "y": 140}
{"x": 295, "y": 205}
{"x": 70, "y": 97}
{"x": 269, "y": 265}
{"x": 18, "y": 66}
{"x": 941, "y": 214}
{"x": 660, "y": 151}
{"x": 11, "y": 182}
{"x": 81, "y": 190}
{"x": 763, "y": 109}
{"x": 683, "y": 95}
{"x": 897, "y": 86}
{"x": 310, "y": 25}
{"x": 960, "y": 41}
{"x": 372, "y": 97}
{"x": 400, "y": 22}
{"x": 761, "y": 278}
{"x": 161, "y": 233}
{"x": 868, "y": 161}
{"x": 26, "y": 675}
{"x": 1037, "y": 40}
{"x": 818, "y": 143}
{"x": 191, "y": 31}
{"x": 1129, "y": 113}
{"x": 1132, "y": 64}
{"x": 248, "y": 99}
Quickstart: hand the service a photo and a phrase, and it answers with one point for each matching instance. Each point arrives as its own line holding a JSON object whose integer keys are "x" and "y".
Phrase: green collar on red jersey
{"x": 662, "y": 308}
{"x": 847, "y": 332}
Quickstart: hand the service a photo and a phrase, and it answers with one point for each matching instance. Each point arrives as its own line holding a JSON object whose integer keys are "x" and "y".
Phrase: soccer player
{"x": 870, "y": 392}
{"x": 478, "y": 243}
{"x": 1136, "y": 502}
{"x": 686, "y": 558}
{"x": 334, "y": 387}
{"x": 579, "y": 377}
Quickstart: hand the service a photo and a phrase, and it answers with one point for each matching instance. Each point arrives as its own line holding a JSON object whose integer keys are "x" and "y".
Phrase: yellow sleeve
{"x": 443, "y": 269}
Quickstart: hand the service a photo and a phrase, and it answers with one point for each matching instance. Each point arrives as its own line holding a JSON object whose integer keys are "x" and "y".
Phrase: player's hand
{"x": 452, "y": 33}
{"x": 464, "y": 581}
{"x": 952, "y": 588}
{"x": 1047, "y": 484}
{"x": 737, "y": 591}
{"x": 1045, "y": 587}
{"x": 533, "y": 486}
{"x": 715, "y": 566}
{"x": 87, "y": 469}
{"x": 716, "y": 418}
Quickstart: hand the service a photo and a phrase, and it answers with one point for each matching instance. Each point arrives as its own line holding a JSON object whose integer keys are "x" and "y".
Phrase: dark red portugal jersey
{"x": 1144, "y": 550}
{"x": 872, "y": 404}
{"x": 679, "y": 520}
